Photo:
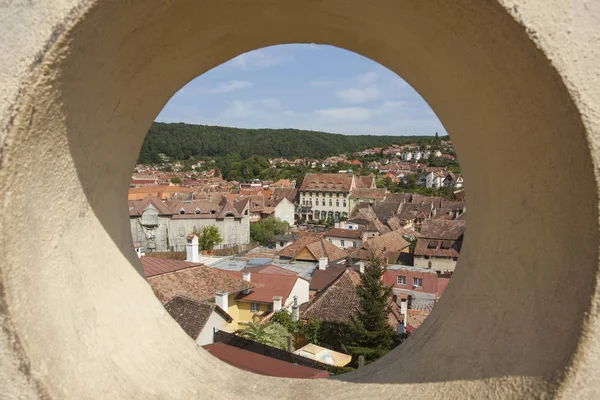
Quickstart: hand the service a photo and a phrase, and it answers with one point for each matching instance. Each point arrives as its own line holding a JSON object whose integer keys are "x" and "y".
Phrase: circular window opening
{"x": 333, "y": 171}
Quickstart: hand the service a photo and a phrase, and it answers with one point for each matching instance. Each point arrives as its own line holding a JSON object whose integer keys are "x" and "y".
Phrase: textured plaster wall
{"x": 515, "y": 83}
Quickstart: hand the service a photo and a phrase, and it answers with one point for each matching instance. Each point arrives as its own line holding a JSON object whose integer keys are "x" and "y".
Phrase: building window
{"x": 254, "y": 307}
{"x": 337, "y": 203}
{"x": 342, "y": 242}
{"x": 330, "y": 203}
{"x": 454, "y": 258}
{"x": 345, "y": 195}
{"x": 401, "y": 280}
{"x": 417, "y": 282}
{"x": 337, "y": 195}
{"x": 317, "y": 194}
{"x": 330, "y": 240}
{"x": 353, "y": 243}
{"x": 281, "y": 244}
{"x": 344, "y": 203}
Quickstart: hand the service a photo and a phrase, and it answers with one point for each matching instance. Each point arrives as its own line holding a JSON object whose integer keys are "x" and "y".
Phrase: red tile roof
{"x": 373, "y": 194}
{"x": 193, "y": 315}
{"x": 199, "y": 283}
{"x": 266, "y": 286}
{"x": 443, "y": 229}
{"x": 270, "y": 269}
{"x": 327, "y": 182}
{"x": 153, "y": 266}
{"x": 262, "y": 365}
{"x": 338, "y": 302}
{"x": 344, "y": 233}
{"x": 150, "y": 201}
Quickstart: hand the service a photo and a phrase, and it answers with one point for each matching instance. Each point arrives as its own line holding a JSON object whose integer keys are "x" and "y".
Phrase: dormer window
{"x": 197, "y": 211}
{"x": 213, "y": 211}
{"x": 181, "y": 212}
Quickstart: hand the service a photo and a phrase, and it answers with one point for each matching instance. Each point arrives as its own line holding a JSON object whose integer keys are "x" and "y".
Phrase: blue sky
{"x": 304, "y": 86}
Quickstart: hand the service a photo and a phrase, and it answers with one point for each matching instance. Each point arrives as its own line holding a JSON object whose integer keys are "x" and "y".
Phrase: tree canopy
{"x": 208, "y": 237}
{"x": 272, "y": 334}
{"x": 181, "y": 141}
{"x": 373, "y": 337}
{"x": 264, "y": 230}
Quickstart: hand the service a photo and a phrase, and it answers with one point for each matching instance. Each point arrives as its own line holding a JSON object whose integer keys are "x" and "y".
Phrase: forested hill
{"x": 181, "y": 141}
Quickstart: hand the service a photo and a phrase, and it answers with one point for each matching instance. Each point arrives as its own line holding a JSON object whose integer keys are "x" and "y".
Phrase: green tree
{"x": 264, "y": 230}
{"x": 175, "y": 180}
{"x": 208, "y": 237}
{"x": 373, "y": 337}
{"x": 272, "y": 334}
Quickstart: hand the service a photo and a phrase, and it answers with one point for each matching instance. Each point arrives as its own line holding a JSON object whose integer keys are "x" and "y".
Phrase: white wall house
{"x": 328, "y": 195}
{"x": 345, "y": 238}
{"x": 300, "y": 289}
{"x": 434, "y": 180}
{"x": 284, "y": 210}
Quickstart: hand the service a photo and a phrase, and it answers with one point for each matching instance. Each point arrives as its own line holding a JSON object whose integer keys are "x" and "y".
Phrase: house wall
{"x": 300, "y": 289}
{"x": 157, "y": 235}
{"x": 245, "y": 313}
{"x": 437, "y": 263}
{"x": 234, "y": 231}
{"x": 215, "y": 321}
{"x": 348, "y": 243}
{"x": 304, "y": 254}
{"x": 279, "y": 246}
{"x": 431, "y": 282}
{"x": 233, "y": 311}
{"x": 285, "y": 211}
{"x": 304, "y": 196}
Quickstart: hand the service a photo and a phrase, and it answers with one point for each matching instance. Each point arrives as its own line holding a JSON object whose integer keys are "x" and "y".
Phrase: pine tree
{"x": 373, "y": 337}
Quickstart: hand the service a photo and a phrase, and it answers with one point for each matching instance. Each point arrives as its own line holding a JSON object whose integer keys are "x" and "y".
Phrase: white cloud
{"x": 227, "y": 87}
{"x": 270, "y": 103}
{"x": 390, "y": 106}
{"x": 251, "y": 110}
{"x": 237, "y": 109}
{"x": 354, "y": 114}
{"x": 259, "y": 59}
{"x": 367, "y": 78}
{"x": 358, "y": 96}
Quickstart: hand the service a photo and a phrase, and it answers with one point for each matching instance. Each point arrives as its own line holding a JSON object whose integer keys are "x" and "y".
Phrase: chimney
{"x": 404, "y": 309}
{"x": 277, "y": 303}
{"x": 323, "y": 261}
{"x": 192, "y": 249}
{"x": 246, "y": 276}
{"x": 221, "y": 299}
{"x": 295, "y": 310}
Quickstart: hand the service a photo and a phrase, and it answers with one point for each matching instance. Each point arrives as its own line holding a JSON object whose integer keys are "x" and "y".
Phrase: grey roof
{"x": 259, "y": 261}
{"x": 303, "y": 269}
{"x": 415, "y": 295}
